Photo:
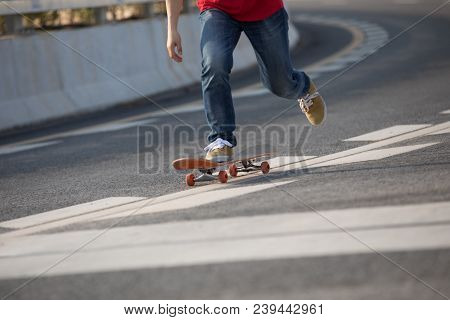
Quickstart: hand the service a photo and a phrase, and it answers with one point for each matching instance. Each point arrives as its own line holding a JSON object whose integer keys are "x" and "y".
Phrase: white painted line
{"x": 372, "y": 155}
{"x": 388, "y": 132}
{"x": 250, "y": 93}
{"x": 443, "y": 131}
{"x": 347, "y": 59}
{"x": 377, "y": 37}
{"x": 64, "y": 213}
{"x": 377, "y": 32}
{"x": 197, "y": 200}
{"x": 357, "y": 39}
{"x": 329, "y": 68}
{"x": 356, "y": 56}
{"x": 116, "y": 125}
{"x": 26, "y": 147}
{"x": 368, "y": 147}
{"x": 109, "y": 127}
{"x": 446, "y": 112}
{"x": 314, "y": 75}
{"x": 286, "y": 160}
{"x": 134, "y": 206}
{"x": 198, "y": 193}
{"x": 269, "y": 237}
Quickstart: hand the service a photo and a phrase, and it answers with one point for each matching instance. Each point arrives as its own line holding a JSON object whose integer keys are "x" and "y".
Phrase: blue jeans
{"x": 269, "y": 38}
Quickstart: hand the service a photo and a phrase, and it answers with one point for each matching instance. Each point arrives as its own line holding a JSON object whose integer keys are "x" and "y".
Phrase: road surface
{"x": 358, "y": 208}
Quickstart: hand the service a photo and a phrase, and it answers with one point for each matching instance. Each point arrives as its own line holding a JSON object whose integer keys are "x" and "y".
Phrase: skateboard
{"x": 211, "y": 170}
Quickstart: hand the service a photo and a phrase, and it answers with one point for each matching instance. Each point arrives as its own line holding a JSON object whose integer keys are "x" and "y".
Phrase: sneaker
{"x": 313, "y": 106}
{"x": 219, "y": 151}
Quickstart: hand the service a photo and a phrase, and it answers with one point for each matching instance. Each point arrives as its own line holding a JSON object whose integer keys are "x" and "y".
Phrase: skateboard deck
{"x": 209, "y": 168}
{"x": 192, "y": 163}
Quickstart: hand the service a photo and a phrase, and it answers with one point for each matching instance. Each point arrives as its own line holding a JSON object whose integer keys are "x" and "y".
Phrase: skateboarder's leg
{"x": 219, "y": 36}
{"x": 270, "y": 41}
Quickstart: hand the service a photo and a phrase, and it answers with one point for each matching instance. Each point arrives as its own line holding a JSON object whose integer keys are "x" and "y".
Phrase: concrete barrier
{"x": 45, "y": 77}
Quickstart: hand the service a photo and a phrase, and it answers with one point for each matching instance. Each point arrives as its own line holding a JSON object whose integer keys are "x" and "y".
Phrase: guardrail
{"x": 37, "y": 6}
{"x": 43, "y": 80}
{"x": 13, "y": 11}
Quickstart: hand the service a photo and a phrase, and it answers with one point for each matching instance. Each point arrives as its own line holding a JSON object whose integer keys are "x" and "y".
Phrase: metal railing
{"x": 17, "y": 16}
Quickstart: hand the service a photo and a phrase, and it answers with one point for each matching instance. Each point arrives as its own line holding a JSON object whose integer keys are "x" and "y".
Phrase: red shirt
{"x": 243, "y": 10}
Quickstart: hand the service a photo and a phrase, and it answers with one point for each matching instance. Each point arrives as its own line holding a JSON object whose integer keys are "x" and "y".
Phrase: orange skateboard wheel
{"x": 223, "y": 176}
{"x": 265, "y": 167}
{"x": 190, "y": 179}
{"x": 233, "y": 170}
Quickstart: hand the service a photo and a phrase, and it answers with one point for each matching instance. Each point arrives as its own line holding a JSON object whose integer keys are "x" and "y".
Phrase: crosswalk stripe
{"x": 197, "y": 200}
{"x": 67, "y": 212}
{"x": 372, "y": 155}
{"x": 287, "y": 235}
{"x": 125, "y": 207}
{"x": 443, "y": 131}
{"x": 286, "y": 160}
{"x": 388, "y": 132}
{"x": 365, "y": 148}
{"x": 195, "y": 197}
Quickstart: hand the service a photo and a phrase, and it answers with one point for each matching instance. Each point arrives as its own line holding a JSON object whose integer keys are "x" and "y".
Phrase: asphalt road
{"x": 355, "y": 216}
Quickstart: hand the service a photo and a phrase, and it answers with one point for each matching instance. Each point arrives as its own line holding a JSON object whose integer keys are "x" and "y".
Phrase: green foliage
{"x": 87, "y": 16}
{"x": 84, "y": 16}
{"x": 2, "y": 25}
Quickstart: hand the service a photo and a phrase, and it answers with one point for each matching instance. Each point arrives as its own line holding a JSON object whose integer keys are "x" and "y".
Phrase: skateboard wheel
{"x": 223, "y": 176}
{"x": 190, "y": 179}
{"x": 265, "y": 167}
{"x": 233, "y": 170}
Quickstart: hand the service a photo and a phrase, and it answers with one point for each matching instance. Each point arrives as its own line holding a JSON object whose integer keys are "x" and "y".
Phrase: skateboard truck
{"x": 206, "y": 176}
{"x": 247, "y": 166}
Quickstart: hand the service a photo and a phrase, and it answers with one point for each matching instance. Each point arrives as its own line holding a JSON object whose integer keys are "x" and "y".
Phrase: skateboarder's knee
{"x": 217, "y": 64}
{"x": 278, "y": 88}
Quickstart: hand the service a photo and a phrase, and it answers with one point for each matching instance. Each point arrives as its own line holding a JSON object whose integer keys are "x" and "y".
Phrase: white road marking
{"x": 196, "y": 200}
{"x": 9, "y": 149}
{"x": 250, "y": 92}
{"x": 269, "y": 237}
{"x": 125, "y": 123}
{"x": 286, "y": 160}
{"x": 367, "y": 38}
{"x": 357, "y": 39}
{"x": 105, "y": 209}
{"x": 193, "y": 197}
{"x": 443, "y": 131}
{"x": 330, "y": 67}
{"x": 372, "y": 155}
{"x": 64, "y": 213}
{"x": 388, "y": 132}
{"x": 446, "y": 112}
{"x": 108, "y": 127}
{"x": 365, "y": 148}
{"x": 327, "y": 64}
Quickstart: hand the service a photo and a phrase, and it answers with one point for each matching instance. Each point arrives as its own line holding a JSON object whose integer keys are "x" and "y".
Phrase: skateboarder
{"x": 265, "y": 22}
